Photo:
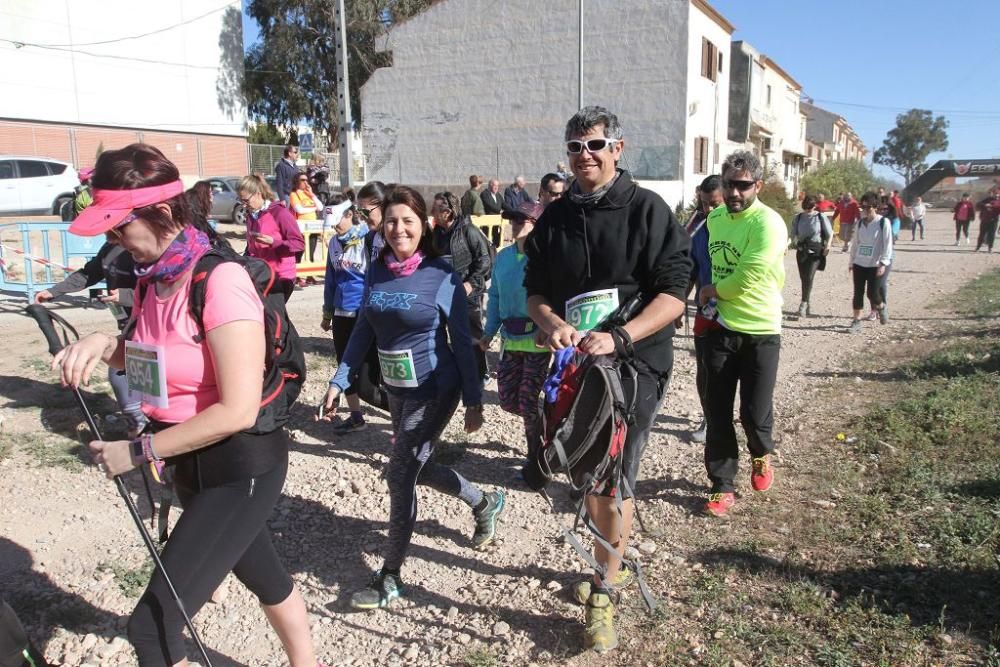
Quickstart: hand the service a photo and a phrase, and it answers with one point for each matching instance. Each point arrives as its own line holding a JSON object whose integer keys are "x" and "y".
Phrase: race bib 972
{"x": 587, "y": 310}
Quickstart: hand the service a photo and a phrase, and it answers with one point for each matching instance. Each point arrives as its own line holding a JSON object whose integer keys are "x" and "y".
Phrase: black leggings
{"x": 866, "y": 282}
{"x": 961, "y": 227}
{"x": 342, "y": 328}
{"x": 222, "y": 529}
{"x": 808, "y": 263}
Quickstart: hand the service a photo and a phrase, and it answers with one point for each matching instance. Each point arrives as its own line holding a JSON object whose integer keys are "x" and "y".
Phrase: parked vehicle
{"x": 226, "y": 205}
{"x": 32, "y": 185}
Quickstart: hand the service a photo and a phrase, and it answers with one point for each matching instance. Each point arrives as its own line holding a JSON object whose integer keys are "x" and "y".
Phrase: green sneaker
{"x": 581, "y": 590}
{"x": 383, "y": 589}
{"x": 599, "y": 633}
{"x": 486, "y": 520}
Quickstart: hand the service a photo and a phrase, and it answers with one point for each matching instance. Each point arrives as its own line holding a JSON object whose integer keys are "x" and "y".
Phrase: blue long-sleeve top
{"x": 508, "y": 299}
{"x": 346, "y": 265}
{"x": 702, "y": 271}
{"x": 411, "y": 319}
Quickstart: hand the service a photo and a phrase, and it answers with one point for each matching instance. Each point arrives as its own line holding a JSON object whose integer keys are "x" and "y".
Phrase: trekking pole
{"x": 44, "y": 318}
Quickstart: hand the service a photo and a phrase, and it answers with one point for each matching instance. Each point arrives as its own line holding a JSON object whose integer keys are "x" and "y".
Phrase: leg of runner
{"x": 758, "y": 374}
{"x": 222, "y": 529}
{"x": 510, "y": 371}
{"x": 534, "y": 371}
{"x": 722, "y": 450}
{"x": 342, "y": 328}
{"x": 131, "y": 409}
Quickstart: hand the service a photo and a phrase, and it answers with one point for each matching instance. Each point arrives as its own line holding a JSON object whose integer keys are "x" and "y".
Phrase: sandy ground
{"x": 66, "y": 539}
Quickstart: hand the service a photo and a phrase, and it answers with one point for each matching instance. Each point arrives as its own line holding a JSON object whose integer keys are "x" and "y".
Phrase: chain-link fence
{"x": 263, "y": 157}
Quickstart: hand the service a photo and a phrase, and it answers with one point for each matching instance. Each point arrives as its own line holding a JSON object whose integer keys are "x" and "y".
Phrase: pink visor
{"x": 110, "y": 207}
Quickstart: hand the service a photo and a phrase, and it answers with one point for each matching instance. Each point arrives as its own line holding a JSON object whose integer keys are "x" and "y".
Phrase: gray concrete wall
{"x": 480, "y": 86}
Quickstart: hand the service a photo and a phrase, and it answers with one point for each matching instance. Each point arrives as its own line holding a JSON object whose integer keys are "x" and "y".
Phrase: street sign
{"x": 306, "y": 143}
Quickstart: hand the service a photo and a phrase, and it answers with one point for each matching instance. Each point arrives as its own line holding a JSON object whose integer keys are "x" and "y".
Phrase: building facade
{"x": 86, "y": 80}
{"x": 830, "y": 137}
{"x": 765, "y": 116}
{"x": 479, "y": 87}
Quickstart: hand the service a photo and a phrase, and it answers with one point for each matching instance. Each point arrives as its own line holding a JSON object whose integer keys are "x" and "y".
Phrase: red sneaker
{"x": 719, "y": 503}
{"x": 761, "y": 473}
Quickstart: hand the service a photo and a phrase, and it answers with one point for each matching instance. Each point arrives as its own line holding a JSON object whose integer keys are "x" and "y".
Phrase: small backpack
{"x": 284, "y": 361}
{"x": 586, "y": 415}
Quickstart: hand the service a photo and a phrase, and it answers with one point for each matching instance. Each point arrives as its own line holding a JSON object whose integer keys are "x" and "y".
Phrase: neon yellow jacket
{"x": 747, "y": 250}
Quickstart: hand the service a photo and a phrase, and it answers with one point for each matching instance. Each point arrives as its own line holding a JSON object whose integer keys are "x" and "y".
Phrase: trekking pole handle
{"x": 42, "y": 316}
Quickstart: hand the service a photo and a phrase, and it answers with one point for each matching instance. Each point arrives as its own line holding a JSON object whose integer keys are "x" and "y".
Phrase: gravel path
{"x": 67, "y": 542}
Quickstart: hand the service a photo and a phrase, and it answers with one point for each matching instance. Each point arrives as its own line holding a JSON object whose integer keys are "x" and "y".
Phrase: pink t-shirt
{"x": 190, "y": 373}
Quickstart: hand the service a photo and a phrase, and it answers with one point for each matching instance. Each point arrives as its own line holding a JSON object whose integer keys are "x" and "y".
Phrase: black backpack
{"x": 284, "y": 361}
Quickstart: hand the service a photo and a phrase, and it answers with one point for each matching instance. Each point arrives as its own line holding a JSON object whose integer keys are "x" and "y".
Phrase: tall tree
{"x": 291, "y": 71}
{"x": 917, "y": 134}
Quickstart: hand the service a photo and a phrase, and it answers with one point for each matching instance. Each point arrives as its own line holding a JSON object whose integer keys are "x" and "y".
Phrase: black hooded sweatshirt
{"x": 628, "y": 240}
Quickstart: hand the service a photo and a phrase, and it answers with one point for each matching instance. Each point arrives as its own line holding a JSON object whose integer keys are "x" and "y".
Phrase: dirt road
{"x": 71, "y": 563}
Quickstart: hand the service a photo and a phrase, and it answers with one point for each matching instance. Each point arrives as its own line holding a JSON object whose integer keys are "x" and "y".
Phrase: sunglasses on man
{"x": 575, "y": 146}
{"x": 742, "y": 186}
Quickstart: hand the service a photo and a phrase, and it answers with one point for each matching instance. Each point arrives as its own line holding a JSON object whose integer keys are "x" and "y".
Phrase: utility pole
{"x": 344, "y": 125}
{"x": 579, "y": 38}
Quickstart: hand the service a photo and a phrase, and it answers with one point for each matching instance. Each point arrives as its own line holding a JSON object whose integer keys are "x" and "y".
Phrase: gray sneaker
{"x": 883, "y": 314}
{"x": 487, "y": 519}
{"x": 700, "y": 434}
{"x": 383, "y": 589}
{"x": 803, "y": 309}
{"x": 856, "y": 327}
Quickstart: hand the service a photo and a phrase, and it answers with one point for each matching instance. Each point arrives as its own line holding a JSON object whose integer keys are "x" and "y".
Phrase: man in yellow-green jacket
{"x": 747, "y": 242}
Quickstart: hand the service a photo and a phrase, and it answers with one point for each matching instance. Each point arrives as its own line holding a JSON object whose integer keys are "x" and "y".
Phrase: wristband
{"x": 147, "y": 448}
{"x": 138, "y": 457}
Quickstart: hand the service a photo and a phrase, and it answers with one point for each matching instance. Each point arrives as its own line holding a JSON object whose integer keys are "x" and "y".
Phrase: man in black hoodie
{"x": 607, "y": 240}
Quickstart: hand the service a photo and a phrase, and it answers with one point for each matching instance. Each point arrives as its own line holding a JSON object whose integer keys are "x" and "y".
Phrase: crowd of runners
{"x": 415, "y": 295}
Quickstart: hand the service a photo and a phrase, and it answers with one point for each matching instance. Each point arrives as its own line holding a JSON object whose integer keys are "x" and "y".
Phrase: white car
{"x": 35, "y": 185}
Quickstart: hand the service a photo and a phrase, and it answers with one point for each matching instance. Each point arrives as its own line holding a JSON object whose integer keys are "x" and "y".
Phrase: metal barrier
{"x": 34, "y": 256}
{"x": 311, "y": 268}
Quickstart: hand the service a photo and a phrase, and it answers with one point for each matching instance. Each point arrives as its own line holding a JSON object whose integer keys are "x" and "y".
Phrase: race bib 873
{"x": 397, "y": 367}
{"x": 587, "y": 310}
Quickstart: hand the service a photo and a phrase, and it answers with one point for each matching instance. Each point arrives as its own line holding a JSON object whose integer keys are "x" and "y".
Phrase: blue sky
{"x": 869, "y": 60}
{"x": 892, "y": 54}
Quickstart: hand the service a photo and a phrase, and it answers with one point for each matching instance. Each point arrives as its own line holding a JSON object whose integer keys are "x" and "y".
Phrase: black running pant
{"x": 751, "y": 362}
{"x": 961, "y": 228}
{"x": 476, "y": 331}
{"x": 222, "y": 529}
{"x": 15, "y": 648}
{"x": 866, "y": 281}
{"x": 987, "y": 233}
{"x": 808, "y": 263}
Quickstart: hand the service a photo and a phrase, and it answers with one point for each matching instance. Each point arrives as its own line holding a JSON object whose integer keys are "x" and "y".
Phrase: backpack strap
{"x": 199, "y": 285}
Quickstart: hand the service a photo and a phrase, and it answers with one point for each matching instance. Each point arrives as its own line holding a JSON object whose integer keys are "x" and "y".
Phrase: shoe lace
{"x": 760, "y": 465}
{"x": 716, "y": 497}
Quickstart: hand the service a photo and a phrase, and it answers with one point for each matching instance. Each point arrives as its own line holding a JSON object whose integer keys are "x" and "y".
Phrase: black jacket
{"x": 111, "y": 264}
{"x": 284, "y": 178}
{"x": 492, "y": 203}
{"x": 468, "y": 250}
{"x": 629, "y": 240}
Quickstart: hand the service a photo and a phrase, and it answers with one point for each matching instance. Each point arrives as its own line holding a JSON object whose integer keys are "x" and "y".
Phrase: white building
{"x": 80, "y": 75}
{"x": 765, "y": 115}
{"x": 486, "y": 87}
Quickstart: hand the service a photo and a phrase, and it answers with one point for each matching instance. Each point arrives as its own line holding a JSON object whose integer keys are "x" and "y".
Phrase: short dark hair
{"x": 870, "y": 199}
{"x": 808, "y": 202}
{"x": 450, "y": 202}
{"x": 373, "y": 190}
{"x": 711, "y": 183}
{"x": 744, "y": 161}
{"x": 475, "y": 180}
{"x": 289, "y": 148}
{"x": 142, "y": 166}
{"x": 549, "y": 178}
{"x": 590, "y": 117}
{"x": 407, "y": 196}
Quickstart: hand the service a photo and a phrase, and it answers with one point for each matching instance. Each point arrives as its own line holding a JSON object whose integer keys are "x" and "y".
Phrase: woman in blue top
{"x": 523, "y": 365}
{"x": 346, "y": 266}
{"x": 412, "y": 305}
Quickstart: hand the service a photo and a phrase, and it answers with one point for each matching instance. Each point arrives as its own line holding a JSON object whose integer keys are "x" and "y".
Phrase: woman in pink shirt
{"x": 272, "y": 233}
{"x": 201, "y": 389}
